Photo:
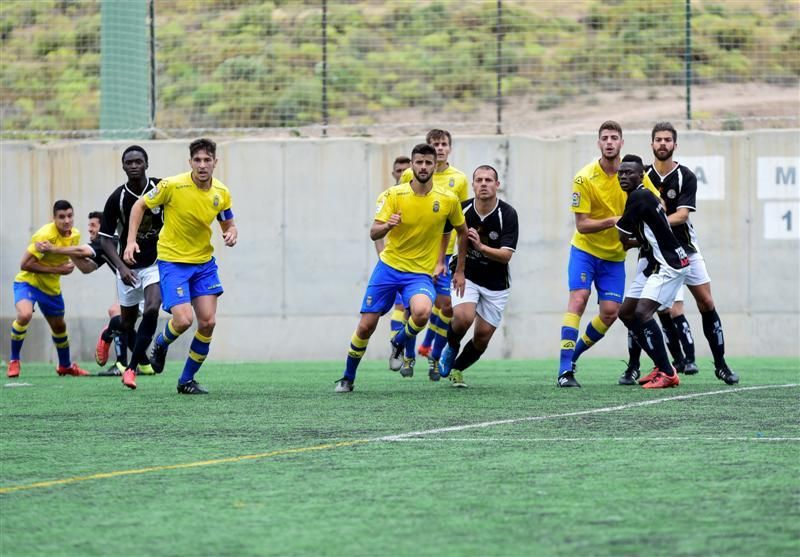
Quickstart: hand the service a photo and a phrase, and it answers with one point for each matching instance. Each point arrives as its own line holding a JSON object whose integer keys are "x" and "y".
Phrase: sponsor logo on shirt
{"x": 152, "y": 193}
{"x": 493, "y": 235}
{"x": 671, "y": 194}
{"x": 576, "y": 199}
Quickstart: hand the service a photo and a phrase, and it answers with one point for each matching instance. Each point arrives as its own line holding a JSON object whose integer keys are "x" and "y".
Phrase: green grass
{"x": 709, "y": 475}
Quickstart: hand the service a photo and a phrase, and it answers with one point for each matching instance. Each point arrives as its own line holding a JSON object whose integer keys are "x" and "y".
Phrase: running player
{"x": 187, "y": 269}
{"x": 39, "y": 282}
{"x": 412, "y": 216}
{"x": 493, "y": 230}
{"x": 138, "y": 283}
{"x": 448, "y": 178}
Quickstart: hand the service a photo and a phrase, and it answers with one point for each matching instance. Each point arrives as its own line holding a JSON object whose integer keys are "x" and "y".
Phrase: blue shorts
{"x": 608, "y": 276}
{"x": 398, "y": 300}
{"x": 182, "y": 282}
{"x": 386, "y": 282}
{"x": 52, "y": 305}
{"x": 443, "y": 282}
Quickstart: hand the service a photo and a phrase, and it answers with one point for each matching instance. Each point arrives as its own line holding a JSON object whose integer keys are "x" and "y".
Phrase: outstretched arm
{"x": 586, "y": 225}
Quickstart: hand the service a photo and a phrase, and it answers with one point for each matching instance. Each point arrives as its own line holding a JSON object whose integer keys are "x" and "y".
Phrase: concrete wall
{"x": 295, "y": 280}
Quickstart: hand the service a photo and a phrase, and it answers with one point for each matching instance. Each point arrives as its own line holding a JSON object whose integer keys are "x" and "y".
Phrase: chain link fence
{"x": 356, "y": 67}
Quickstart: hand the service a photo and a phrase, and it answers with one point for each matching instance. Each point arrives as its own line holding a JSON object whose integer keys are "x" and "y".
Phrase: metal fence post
{"x": 688, "y": 59}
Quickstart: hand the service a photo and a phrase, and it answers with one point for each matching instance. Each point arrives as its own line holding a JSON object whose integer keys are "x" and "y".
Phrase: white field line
{"x": 589, "y": 439}
{"x": 607, "y": 409}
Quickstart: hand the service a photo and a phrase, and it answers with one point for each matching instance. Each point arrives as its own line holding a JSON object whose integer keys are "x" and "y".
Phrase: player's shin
{"x": 440, "y": 338}
{"x": 147, "y": 328}
{"x": 649, "y": 336}
{"x": 595, "y": 331}
{"x": 569, "y": 334}
{"x": 18, "y": 333}
{"x": 358, "y": 346}
{"x": 61, "y": 340}
{"x": 198, "y": 351}
{"x": 634, "y": 351}
{"x": 685, "y": 336}
{"x": 468, "y": 356}
{"x": 671, "y": 334}
{"x": 712, "y": 328}
{"x": 435, "y": 321}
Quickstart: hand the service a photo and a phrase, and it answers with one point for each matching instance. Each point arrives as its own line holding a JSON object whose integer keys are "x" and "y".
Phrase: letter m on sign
{"x": 786, "y": 175}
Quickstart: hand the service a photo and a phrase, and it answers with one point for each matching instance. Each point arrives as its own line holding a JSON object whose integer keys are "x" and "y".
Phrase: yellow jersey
{"x": 449, "y": 179}
{"x": 189, "y": 213}
{"x": 48, "y": 283}
{"x": 600, "y": 196}
{"x": 413, "y": 245}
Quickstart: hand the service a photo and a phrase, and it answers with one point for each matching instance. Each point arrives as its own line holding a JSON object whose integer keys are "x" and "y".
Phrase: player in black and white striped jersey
{"x": 678, "y": 187}
{"x": 661, "y": 274}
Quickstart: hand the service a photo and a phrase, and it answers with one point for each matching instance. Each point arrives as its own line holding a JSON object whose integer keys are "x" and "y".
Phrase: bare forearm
{"x": 501, "y": 255}
{"x": 590, "y": 226}
{"x": 137, "y": 212}
{"x": 37, "y": 267}
{"x": 378, "y": 230}
{"x": 110, "y": 251}
{"x": 73, "y": 251}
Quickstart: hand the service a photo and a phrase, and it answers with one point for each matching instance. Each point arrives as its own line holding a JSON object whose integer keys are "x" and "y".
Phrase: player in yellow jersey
{"x": 187, "y": 269}
{"x": 449, "y": 178}
{"x": 412, "y": 216}
{"x": 596, "y": 255}
{"x": 39, "y": 282}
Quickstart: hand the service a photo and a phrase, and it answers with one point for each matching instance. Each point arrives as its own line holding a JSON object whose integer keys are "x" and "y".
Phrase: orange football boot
{"x": 663, "y": 381}
{"x": 13, "y": 368}
{"x": 73, "y": 370}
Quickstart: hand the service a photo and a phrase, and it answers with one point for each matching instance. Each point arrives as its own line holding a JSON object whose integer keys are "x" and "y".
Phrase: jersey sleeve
{"x": 384, "y": 207}
{"x": 581, "y": 202}
{"x": 39, "y": 236}
{"x": 510, "y": 235}
{"x": 688, "y": 195}
{"x": 456, "y": 215}
{"x": 108, "y": 225}
{"x": 406, "y": 176}
{"x": 226, "y": 213}
{"x": 632, "y": 213}
{"x": 159, "y": 195}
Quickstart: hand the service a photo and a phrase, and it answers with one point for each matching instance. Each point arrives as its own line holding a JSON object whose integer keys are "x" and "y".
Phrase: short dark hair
{"x": 610, "y": 125}
{"x": 634, "y": 159}
{"x": 438, "y": 134}
{"x": 96, "y": 215}
{"x": 423, "y": 149}
{"x": 203, "y": 144}
{"x": 135, "y": 148}
{"x": 402, "y": 159}
{"x": 664, "y": 127}
{"x": 486, "y": 167}
{"x": 61, "y": 205}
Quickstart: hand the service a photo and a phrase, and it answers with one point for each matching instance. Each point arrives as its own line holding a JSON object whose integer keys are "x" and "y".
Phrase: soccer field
{"x": 273, "y": 462}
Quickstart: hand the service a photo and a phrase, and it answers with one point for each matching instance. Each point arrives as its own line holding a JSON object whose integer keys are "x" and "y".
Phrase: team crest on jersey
{"x": 671, "y": 194}
{"x": 380, "y": 205}
{"x": 179, "y": 291}
{"x": 493, "y": 235}
{"x": 152, "y": 193}
{"x": 583, "y": 277}
{"x": 435, "y": 206}
{"x": 369, "y": 300}
{"x": 216, "y": 200}
{"x": 452, "y": 182}
{"x": 576, "y": 199}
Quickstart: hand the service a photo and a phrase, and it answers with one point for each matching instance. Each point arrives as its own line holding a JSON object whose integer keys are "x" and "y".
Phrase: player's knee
{"x": 642, "y": 315}
{"x": 181, "y": 322}
{"x": 577, "y": 303}
{"x": 24, "y": 316}
{"x": 206, "y": 326}
{"x": 150, "y": 309}
{"x": 705, "y": 303}
{"x": 608, "y": 316}
{"x": 446, "y": 308}
{"x": 58, "y": 327}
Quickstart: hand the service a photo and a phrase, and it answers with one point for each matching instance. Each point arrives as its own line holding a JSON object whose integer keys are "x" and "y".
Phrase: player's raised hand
{"x": 474, "y": 238}
{"x": 130, "y": 249}
{"x": 44, "y": 247}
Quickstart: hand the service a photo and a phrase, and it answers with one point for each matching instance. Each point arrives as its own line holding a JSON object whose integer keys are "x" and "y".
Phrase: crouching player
{"x": 492, "y": 235}
{"x": 661, "y": 272}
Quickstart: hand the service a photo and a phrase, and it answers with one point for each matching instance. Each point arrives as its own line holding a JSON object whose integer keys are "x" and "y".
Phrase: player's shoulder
{"x": 585, "y": 175}
{"x": 506, "y": 208}
{"x": 398, "y": 190}
{"x": 686, "y": 171}
{"x": 641, "y": 194}
{"x": 406, "y": 176}
{"x": 445, "y": 194}
{"x": 452, "y": 170}
{"x": 219, "y": 186}
{"x": 183, "y": 179}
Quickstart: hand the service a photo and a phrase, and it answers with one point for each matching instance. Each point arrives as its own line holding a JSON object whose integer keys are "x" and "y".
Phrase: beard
{"x": 663, "y": 155}
{"x": 421, "y": 180}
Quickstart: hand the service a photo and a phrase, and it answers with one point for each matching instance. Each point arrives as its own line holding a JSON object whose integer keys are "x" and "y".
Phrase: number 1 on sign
{"x": 788, "y": 218}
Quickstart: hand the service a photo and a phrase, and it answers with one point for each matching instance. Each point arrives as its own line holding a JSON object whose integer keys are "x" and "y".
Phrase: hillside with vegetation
{"x": 257, "y": 64}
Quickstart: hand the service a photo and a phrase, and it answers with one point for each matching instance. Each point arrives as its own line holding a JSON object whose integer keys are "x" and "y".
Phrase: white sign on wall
{"x": 779, "y": 177}
{"x": 782, "y": 220}
{"x": 710, "y": 172}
